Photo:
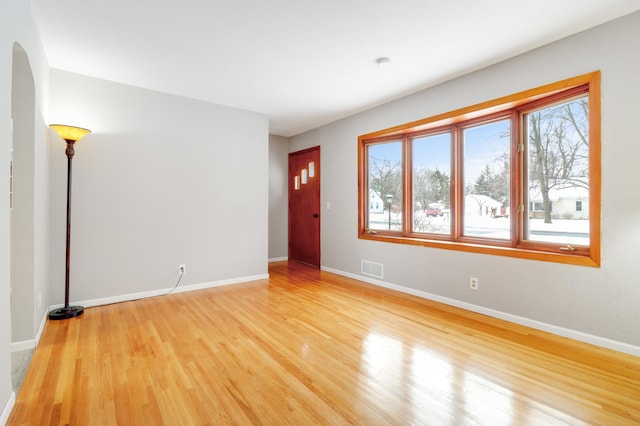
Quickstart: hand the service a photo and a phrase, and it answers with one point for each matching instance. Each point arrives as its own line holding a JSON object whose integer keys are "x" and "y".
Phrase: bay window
{"x": 517, "y": 176}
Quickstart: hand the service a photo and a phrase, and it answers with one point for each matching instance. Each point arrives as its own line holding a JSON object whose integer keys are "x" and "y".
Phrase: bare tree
{"x": 385, "y": 178}
{"x": 480, "y": 201}
{"x": 558, "y": 149}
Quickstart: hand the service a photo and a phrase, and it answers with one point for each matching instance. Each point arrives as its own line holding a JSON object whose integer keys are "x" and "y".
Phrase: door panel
{"x": 304, "y": 206}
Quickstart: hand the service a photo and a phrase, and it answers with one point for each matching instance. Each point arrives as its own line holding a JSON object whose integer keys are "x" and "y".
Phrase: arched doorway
{"x": 23, "y": 300}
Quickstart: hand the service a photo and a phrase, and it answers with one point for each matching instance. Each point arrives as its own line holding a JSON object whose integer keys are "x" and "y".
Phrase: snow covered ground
{"x": 559, "y": 231}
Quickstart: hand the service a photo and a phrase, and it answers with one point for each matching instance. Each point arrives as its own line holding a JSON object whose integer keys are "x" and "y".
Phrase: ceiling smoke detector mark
{"x": 383, "y": 61}
{"x": 372, "y": 269}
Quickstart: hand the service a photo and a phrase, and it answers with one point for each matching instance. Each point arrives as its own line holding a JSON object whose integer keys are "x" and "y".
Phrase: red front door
{"x": 304, "y": 206}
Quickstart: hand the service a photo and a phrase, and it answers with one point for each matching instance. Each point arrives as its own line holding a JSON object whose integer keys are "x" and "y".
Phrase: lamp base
{"x": 66, "y": 312}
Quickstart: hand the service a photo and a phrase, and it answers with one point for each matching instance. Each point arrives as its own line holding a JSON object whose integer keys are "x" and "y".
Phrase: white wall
{"x": 278, "y": 197}
{"x": 17, "y": 26}
{"x": 162, "y": 181}
{"x": 587, "y": 303}
{"x": 22, "y": 210}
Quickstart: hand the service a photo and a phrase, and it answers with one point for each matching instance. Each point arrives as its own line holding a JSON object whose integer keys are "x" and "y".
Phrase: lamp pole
{"x": 389, "y": 201}
{"x": 70, "y": 152}
{"x": 71, "y": 135}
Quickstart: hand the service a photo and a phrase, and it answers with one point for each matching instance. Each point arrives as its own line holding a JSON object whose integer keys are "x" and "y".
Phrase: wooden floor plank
{"x": 311, "y": 347}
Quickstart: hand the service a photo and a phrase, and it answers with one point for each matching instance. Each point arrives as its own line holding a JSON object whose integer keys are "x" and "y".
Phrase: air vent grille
{"x": 372, "y": 269}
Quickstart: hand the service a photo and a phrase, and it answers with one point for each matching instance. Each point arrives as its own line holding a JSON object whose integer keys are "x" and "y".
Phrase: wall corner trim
{"x": 8, "y": 407}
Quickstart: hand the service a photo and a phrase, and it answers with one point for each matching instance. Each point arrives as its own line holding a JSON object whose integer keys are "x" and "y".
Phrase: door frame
{"x": 290, "y": 190}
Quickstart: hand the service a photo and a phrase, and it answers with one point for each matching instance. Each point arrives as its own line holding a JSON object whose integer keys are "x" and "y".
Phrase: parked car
{"x": 434, "y": 211}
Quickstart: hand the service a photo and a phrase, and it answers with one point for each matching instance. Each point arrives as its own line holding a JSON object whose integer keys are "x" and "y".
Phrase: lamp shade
{"x": 69, "y": 133}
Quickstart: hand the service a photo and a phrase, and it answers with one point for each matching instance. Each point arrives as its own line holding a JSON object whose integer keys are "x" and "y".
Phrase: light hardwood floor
{"x": 308, "y": 347}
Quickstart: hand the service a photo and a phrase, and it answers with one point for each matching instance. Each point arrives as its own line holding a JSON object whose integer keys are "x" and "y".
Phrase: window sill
{"x": 520, "y": 253}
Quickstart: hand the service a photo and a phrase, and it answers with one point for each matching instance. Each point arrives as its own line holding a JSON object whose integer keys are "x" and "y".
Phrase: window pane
{"x": 486, "y": 180}
{"x": 385, "y": 185}
{"x": 558, "y": 173}
{"x": 431, "y": 156}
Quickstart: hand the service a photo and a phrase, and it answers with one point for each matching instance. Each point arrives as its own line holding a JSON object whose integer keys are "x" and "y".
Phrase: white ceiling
{"x": 302, "y": 63}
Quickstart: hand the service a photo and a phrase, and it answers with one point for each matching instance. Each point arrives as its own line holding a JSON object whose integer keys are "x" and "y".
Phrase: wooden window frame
{"x": 513, "y": 106}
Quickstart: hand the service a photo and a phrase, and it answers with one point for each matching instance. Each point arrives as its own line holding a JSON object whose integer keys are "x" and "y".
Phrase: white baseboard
{"x": 180, "y": 289}
{"x": 278, "y": 259}
{"x": 6, "y": 411}
{"x": 43, "y": 321}
{"x": 241, "y": 280}
{"x": 31, "y": 343}
{"x": 538, "y": 325}
{"x": 23, "y": 345}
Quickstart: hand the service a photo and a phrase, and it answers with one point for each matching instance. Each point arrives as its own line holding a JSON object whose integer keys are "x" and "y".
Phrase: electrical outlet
{"x": 473, "y": 283}
{"x": 182, "y": 268}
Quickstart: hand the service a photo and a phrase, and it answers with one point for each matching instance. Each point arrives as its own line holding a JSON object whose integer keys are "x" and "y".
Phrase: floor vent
{"x": 372, "y": 269}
